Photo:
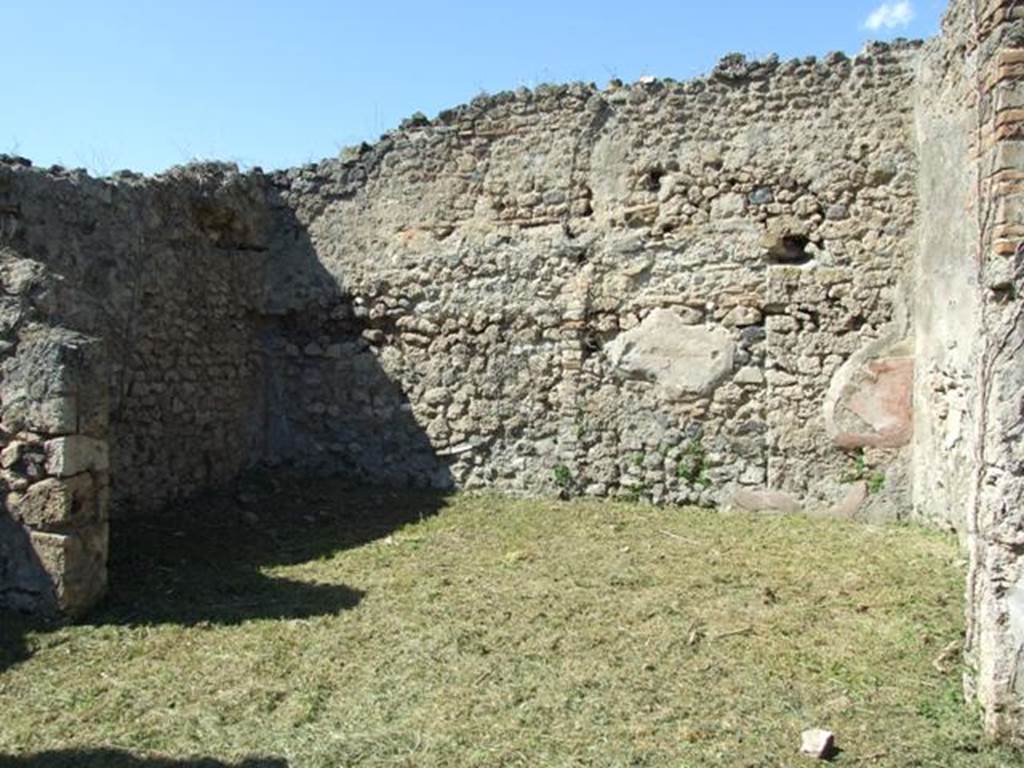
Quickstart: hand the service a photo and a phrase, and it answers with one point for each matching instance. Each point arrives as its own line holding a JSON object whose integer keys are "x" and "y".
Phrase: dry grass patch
{"x": 322, "y": 627}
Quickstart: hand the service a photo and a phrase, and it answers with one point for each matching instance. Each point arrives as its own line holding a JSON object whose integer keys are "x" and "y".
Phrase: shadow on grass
{"x": 203, "y": 561}
{"x": 111, "y": 758}
{"x": 13, "y": 628}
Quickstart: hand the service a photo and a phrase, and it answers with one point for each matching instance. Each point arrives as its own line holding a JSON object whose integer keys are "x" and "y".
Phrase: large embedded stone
{"x": 74, "y": 454}
{"x": 56, "y": 384}
{"x": 679, "y": 358}
{"x": 765, "y": 500}
{"x": 875, "y": 408}
{"x": 76, "y": 565}
{"x": 884, "y": 400}
{"x": 53, "y": 503}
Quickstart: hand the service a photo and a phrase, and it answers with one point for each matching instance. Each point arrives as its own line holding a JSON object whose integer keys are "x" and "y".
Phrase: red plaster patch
{"x": 883, "y": 401}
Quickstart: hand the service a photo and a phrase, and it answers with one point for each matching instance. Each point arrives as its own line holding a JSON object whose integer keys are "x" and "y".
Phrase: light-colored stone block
{"x": 765, "y": 500}
{"x": 75, "y": 564}
{"x": 817, "y": 743}
{"x": 875, "y": 407}
{"x": 679, "y": 358}
{"x": 749, "y": 375}
{"x": 74, "y": 454}
{"x": 54, "y": 503}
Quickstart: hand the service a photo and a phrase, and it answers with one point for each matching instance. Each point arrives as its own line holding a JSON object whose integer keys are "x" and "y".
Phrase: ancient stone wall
{"x": 648, "y": 290}
{"x": 994, "y": 61}
{"x": 128, "y": 351}
{"x": 968, "y": 330}
{"x": 167, "y": 272}
{"x": 686, "y": 292}
{"x": 787, "y": 285}
{"x": 946, "y": 310}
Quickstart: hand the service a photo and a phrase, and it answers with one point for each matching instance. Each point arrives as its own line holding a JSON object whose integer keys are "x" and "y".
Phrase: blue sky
{"x": 143, "y": 84}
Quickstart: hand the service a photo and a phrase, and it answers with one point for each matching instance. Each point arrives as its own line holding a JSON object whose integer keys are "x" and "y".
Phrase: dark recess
{"x": 790, "y": 249}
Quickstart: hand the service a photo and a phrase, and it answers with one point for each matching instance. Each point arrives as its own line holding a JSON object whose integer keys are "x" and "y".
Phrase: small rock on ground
{"x": 818, "y": 743}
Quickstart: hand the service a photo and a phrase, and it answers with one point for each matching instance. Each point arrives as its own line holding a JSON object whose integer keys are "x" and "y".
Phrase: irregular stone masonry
{"x": 995, "y": 520}
{"x": 966, "y": 454}
{"x": 757, "y": 289}
{"x": 515, "y": 237}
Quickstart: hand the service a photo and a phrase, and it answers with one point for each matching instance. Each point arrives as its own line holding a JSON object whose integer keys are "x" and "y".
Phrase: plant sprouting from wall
{"x": 692, "y": 466}
{"x": 562, "y": 477}
{"x": 861, "y": 471}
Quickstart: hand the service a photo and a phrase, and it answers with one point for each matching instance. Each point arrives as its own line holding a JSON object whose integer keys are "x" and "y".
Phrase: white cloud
{"x": 890, "y": 16}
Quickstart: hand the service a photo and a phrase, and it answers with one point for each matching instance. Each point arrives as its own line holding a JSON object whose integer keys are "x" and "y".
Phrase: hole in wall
{"x": 810, "y": 319}
{"x": 1004, "y": 294}
{"x": 586, "y": 201}
{"x": 856, "y": 322}
{"x": 790, "y": 249}
{"x": 651, "y": 180}
{"x": 592, "y": 342}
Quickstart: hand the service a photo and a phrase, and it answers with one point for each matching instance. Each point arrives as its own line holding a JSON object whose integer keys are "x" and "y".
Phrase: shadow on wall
{"x": 329, "y": 405}
{"x": 326, "y": 408}
{"x": 111, "y": 758}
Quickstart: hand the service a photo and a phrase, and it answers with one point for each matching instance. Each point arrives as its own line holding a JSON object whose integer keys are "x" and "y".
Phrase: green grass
{"x": 321, "y": 627}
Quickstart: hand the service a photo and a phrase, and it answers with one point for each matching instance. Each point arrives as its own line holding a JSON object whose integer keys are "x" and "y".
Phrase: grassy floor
{"x": 315, "y": 627}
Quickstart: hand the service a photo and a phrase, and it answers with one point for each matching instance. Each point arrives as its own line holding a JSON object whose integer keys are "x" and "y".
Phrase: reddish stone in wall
{"x": 882, "y": 400}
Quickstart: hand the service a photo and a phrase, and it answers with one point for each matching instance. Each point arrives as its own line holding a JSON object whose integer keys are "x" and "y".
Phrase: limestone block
{"x": 52, "y": 415}
{"x": 679, "y": 358}
{"x": 75, "y": 564}
{"x": 54, "y": 503}
{"x": 11, "y": 454}
{"x": 1009, "y": 155}
{"x": 728, "y": 206}
{"x": 750, "y": 375}
{"x": 817, "y": 743}
{"x": 56, "y": 384}
{"x": 20, "y": 276}
{"x": 742, "y": 316}
{"x": 436, "y": 396}
{"x": 765, "y": 500}
{"x": 74, "y": 454}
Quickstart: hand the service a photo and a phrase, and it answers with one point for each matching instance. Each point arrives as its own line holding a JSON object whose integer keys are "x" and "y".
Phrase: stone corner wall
{"x": 680, "y": 292}
{"x": 54, "y": 464}
{"x": 969, "y": 330}
{"x": 994, "y": 61}
{"x": 130, "y": 362}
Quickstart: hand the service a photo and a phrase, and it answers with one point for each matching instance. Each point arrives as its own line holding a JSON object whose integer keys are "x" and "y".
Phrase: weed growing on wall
{"x": 860, "y": 471}
{"x": 692, "y": 467}
{"x": 562, "y": 476}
